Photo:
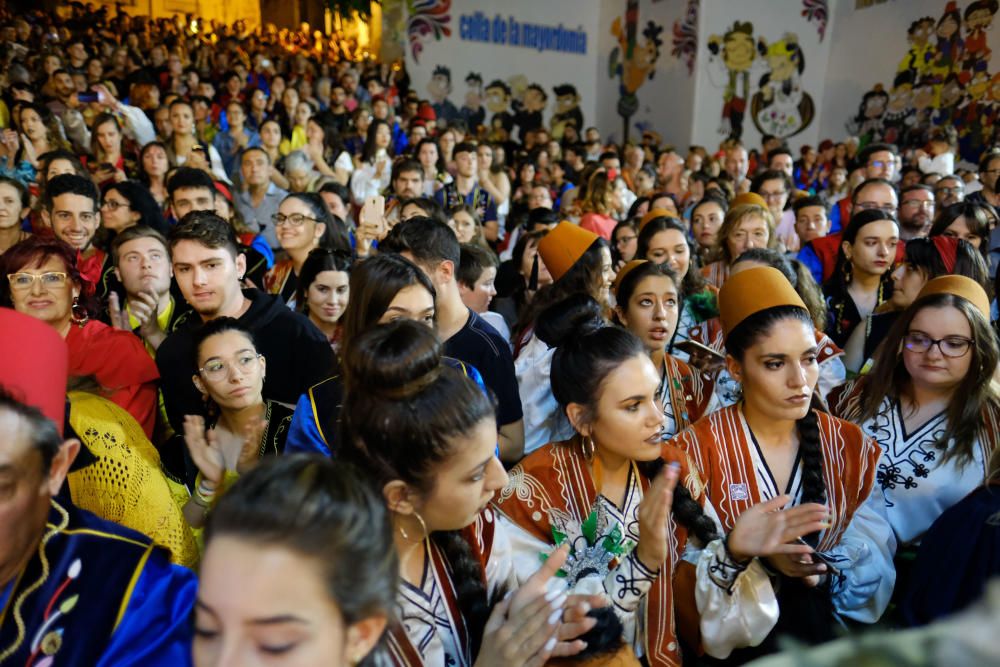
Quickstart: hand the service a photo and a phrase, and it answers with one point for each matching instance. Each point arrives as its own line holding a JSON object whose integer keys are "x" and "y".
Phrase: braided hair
{"x": 738, "y": 342}
{"x": 402, "y": 414}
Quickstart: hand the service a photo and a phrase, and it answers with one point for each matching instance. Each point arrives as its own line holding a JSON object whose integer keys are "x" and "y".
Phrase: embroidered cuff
{"x": 722, "y": 569}
{"x": 629, "y": 583}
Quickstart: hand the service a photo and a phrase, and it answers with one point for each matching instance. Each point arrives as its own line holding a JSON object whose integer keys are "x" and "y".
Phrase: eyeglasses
{"x": 625, "y": 239}
{"x": 951, "y": 346}
{"x": 950, "y": 191}
{"x": 294, "y": 220}
{"x": 113, "y": 205}
{"x": 773, "y": 195}
{"x": 921, "y": 203}
{"x": 880, "y": 164}
{"x": 23, "y": 281}
{"x": 216, "y": 369}
{"x": 889, "y": 209}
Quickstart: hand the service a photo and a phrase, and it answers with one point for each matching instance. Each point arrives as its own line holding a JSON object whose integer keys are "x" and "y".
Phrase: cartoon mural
{"x": 942, "y": 80}
{"x": 439, "y": 88}
{"x": 567, "y": 110}
{"x": 633, "y": 61}
{"x": 472, "y": 111}
{"x": 731, "y": 56}
{"x": 685, "y": 42}
{"x": 781, "y": 107}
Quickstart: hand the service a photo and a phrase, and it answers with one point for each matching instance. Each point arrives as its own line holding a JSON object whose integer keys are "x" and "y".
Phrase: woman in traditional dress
{"x": 663, "y": 239}
{"x": 862, "y": 278}
{"x": 604, "y": 491}
{"x": 748, "y": 224}
{"x": 425, "y": 435}
{"x": 580, "y": 263}
{"x": 774, "y": 445}
{"x": 277, "y": 547}
{"x": 930, "y": 403}
{"x": 924, "y": 260}
{"x": 648, "y": 302}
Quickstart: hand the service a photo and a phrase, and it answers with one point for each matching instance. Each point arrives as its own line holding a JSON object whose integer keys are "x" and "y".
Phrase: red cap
{"x": 426, "y": 112}
{"x": 224, "y": 190}
{"x": 34, "y": 364}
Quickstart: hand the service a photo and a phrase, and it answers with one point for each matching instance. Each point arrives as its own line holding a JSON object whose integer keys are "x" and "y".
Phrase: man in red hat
{"x": 74, "y": 588}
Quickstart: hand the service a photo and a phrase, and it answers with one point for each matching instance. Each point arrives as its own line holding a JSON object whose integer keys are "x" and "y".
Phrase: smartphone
{"x": 693, "y": 347}
{"x": 86, "y": 98}
{"x": 373, "y": 212}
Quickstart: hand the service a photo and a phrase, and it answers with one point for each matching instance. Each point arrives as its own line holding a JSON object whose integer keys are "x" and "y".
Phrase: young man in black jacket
{"x": 207, "y": 267}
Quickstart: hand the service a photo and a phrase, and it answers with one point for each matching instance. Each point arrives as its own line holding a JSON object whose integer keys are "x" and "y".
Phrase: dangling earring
{"x": 78, "y": 319}
{"x": 587, "y": 444}
{"x": 423, "y": 528}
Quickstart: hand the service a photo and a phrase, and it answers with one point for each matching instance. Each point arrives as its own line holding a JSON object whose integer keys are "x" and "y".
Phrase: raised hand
{"x": 768, "y": 530}
{"x": 654, "y": 510}
{"x": 205, "y": 449}
{"x": 249, "y": 454}
{"x": 118, "y": 315}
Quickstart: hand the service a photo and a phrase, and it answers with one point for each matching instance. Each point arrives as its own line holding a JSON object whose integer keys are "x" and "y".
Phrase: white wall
{"x": 772, "y": 20}
{"x": 547, "y": 68}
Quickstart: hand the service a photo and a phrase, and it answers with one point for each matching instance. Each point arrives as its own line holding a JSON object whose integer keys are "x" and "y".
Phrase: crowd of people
{"x": 296, "y": 368}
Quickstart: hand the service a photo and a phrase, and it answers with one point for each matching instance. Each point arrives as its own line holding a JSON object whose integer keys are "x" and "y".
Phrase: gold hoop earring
{"x": 423, "y": 528}
{"x": 588, "y": 447}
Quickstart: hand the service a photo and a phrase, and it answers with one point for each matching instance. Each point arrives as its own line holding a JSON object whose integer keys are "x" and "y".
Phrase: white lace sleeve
{"x": 736, "y": 602}
{"x": 864, "y": 559}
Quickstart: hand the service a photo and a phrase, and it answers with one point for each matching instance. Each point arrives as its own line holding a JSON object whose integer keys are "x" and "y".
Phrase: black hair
{"x": 319, "y": 260}
{"x": 207, "y": 229}
{"x": 587, "y": 352}
{"x": 771, "y": 175}
{"x": 336, "y": 236}
{"x": 474, "y": 260}
{"x": 739, "y": 340}
{"x": 140, "y": 200}
{"x": 404, "y": 165}
{"x": 374, "y": 283}
{"x": 71, "y": 184}
{"x": 867, "y": 152}
{"x": 338, "y": 189}
{"x": 189, "y": 177}
{"x": 326, "y": 512}
{"x": 541, "y": 216}
{"x": 430, "y": 241}
{"x": 404, "y": 412}
{"x": 923, "y": 255}
{"x": 811, "y": 200}
{"x": 42, "y": 431}
{"x": 977, "y": 218}
{"x": 841, "y": 277}
{"x": 464, "y": 147}
{"x": 564, "y": 89}
{"x": 368, "y": 152}
{"x": 212, "y": 328}
{"x": 692, "y": 282}
{"x": 626, "y": 287}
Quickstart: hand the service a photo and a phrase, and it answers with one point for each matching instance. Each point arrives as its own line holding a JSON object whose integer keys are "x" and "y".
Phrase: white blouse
{"x": 918, "y": 488}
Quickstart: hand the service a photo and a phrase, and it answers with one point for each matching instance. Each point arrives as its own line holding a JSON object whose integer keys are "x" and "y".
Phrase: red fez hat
{"x": 34, "y": 364}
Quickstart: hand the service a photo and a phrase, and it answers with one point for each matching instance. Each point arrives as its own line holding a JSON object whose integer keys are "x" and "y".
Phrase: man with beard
{"x": 916, "y": 212}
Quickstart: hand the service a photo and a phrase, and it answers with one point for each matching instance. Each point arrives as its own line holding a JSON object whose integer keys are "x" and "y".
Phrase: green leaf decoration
{"x": 612, "y": 542}
{"x": 589, "y": 528}
{"x": 558, "y": 536}
{"x": 69, "y": 603}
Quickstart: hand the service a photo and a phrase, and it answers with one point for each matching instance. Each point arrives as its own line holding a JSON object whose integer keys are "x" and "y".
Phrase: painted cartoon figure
{"x": 498, "y": 99}
{"x": 978, "y": 18}
{"x": 567, "y": 110}
{"x": 472, "y": 111}
{"x": 632, "y": 61}
{"x": 781, "y": 107}
{"x": 948, "y": 50}
{"x": 898, "y": 117}
{"x": 867, "y": 124}
{"x": 439, "y": 89}
{"x": 736, "y": 52}
{"x": 918, "y": 57}
{"x": 530, "y": 114}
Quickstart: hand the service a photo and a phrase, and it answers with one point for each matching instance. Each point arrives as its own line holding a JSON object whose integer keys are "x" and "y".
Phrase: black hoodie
{"x": 298, "y": 356}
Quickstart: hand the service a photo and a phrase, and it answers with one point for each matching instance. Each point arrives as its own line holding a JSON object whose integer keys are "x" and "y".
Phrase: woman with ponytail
{"x": 648, "y": 302}
{"x": 425, "y": 435}
{"x": 774, "y": 448}
{"x": 607, "y": 492}
{"x": 931, "y": 403}
{"x": 829, "y": 357}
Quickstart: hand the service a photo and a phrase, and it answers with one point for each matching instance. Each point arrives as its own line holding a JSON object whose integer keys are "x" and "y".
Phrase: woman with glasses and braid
{"x": 930, "y": 404}
{"x": 302, "y": 224}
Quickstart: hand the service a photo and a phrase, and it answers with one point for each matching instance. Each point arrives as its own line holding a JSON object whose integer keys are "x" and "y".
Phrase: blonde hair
{"x": 734, "y": 217}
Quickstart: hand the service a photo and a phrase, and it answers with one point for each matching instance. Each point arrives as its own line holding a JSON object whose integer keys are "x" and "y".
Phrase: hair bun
{"x": 576, "y": 315}
{"x": 394, "y": 361}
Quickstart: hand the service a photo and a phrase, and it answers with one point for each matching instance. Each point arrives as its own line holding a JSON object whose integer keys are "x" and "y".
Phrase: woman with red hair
{"x": 42, "y": 280}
